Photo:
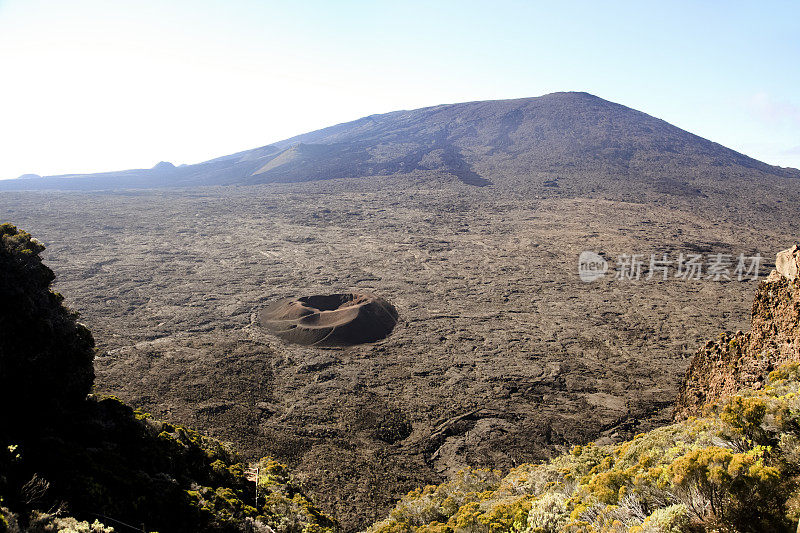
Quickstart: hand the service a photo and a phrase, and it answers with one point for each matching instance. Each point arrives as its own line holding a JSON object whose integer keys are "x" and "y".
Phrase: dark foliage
{"x": 45, "y": 354}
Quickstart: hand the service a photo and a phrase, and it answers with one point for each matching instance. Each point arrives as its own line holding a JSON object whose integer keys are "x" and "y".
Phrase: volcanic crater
{"x": 344, "y": 319}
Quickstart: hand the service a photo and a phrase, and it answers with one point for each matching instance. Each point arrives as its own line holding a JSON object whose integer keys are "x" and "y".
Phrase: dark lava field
{"x": 501, "y": 354}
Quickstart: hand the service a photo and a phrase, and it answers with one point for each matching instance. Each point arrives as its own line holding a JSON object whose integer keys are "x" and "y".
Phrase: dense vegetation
{"x": 737, "y": 468}
{"x": 65, "y": 453}
{"x": 110, "y": 462}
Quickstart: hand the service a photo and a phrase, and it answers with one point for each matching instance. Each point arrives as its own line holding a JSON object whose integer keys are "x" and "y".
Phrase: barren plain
{"x": 501, "y": 354}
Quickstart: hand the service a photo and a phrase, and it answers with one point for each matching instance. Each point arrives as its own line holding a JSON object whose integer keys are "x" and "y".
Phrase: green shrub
{"x": 737, "y": 469}
{"x": 672, "y": 519}
{"x": 549, "y": 513}
{"x": 46, "y": 523}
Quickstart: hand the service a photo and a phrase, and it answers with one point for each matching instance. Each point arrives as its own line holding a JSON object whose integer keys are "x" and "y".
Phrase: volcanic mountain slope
{"x": 479, "y": 143}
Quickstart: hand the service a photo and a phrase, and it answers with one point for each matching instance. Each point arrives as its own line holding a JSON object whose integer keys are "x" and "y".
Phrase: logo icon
{"x": 591, "y": 266}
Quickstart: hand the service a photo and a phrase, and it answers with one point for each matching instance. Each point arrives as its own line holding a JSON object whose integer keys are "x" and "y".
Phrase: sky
{"x": 97, "y": 85}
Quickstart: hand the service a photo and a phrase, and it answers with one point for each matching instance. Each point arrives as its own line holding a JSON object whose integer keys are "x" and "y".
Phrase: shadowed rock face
{"x": 330, "y": 320}
{"x": 45, "y": 353}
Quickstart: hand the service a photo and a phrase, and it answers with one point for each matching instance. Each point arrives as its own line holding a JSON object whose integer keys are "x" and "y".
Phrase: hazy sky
{"x": 106, "y": 85}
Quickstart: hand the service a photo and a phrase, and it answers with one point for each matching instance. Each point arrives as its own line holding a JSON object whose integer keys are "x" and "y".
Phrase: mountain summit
{"x": 479, "y": 143}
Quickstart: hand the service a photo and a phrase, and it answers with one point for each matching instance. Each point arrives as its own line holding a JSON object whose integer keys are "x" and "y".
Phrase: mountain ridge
{"x": 479, "y": 143}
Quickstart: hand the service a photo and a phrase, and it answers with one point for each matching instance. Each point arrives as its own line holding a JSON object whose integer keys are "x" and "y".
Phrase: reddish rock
{"x": 744, "y": 360}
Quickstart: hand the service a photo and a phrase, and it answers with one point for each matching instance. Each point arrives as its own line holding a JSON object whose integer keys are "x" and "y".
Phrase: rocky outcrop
{"x": 787, "y": 264}
{"x": 745, "y": 359}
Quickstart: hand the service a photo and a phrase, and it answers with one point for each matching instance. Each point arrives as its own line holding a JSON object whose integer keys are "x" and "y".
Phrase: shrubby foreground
{"x": 735, "y": 469}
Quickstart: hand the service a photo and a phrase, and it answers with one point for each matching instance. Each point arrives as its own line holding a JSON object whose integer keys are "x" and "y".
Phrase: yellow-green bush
{"x": 736, "y": 469}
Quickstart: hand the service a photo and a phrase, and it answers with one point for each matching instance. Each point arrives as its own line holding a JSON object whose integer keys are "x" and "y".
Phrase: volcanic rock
{"x": 787, "y": 264}
{"x": 745, "y": 359}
